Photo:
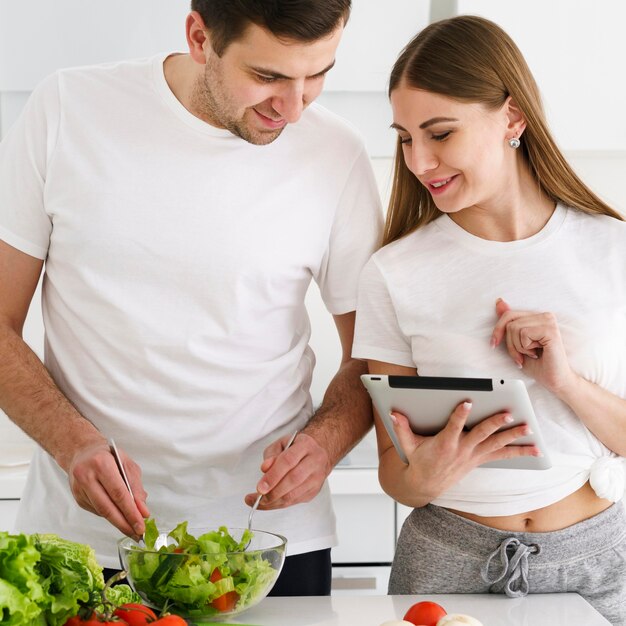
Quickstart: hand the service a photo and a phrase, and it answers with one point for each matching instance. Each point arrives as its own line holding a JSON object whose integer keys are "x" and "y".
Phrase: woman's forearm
{"x": 400, "y": 482}
{"x": 602, "y": 412}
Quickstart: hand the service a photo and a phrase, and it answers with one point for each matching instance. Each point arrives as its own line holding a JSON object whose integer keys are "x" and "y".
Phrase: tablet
{"x": 428, "y": 402}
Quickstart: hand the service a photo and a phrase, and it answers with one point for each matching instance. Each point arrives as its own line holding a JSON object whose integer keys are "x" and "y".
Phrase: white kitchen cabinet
{"x": 402, "y": 512}
{"x": 360, "y": 580}
{"x": 16, "y": 450}
{"x": 366, "y": 533}
{"x": 8, "y": 513}
{"x": 365, "y": 527}
{"x": 365, "y": 513}
{"x": 366, "y": 519}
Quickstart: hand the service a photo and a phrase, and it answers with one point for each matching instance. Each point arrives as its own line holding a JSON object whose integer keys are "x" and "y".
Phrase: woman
{"x": 498, "y": 261}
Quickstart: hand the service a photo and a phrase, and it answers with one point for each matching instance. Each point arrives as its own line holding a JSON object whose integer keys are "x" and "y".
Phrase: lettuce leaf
{"x": 18, "y": 561}
{"x": 70, "y": 574}
{"x": 22, "y": 594}
{"x": 16, "y": 608}
{"x": 120, "y": 594}
{"x": 151, "y": 534}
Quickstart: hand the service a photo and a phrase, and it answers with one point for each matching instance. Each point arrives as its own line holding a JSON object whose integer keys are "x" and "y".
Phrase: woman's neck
{"x": 520, "y": 209}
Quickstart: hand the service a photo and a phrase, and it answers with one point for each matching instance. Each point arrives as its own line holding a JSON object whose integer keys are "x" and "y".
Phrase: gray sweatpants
{"x": 440, "y": 552}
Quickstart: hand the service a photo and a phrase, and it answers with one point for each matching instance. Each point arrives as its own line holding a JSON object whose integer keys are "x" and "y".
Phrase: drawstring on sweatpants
{"x": 513, "y": 575}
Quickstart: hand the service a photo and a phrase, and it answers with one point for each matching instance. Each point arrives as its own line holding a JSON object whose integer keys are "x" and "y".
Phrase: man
{"x": 182, "y": 206}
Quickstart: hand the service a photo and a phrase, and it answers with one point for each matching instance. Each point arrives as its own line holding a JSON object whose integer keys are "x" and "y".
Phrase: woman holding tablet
{"x": 498, "y": 262}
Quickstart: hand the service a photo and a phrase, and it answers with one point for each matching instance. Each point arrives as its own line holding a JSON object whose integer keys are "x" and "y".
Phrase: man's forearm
{"x": 345, "y": 415}
{"x": 31, "y": 399}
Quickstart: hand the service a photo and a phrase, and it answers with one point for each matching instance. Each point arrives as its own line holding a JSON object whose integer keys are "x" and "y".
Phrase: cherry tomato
{"x": 135, "y": 614}
{"x": 170, "y": 620}
{"x": 425, "y": 614}
{"x": 226, "y": 602}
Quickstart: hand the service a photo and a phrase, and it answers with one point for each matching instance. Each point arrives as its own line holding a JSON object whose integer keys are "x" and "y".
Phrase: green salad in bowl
{"x": 201, "y": 574}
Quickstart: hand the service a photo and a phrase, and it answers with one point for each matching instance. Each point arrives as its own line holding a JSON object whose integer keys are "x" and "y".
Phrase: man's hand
{"x": 98, "y": 487}
{"x": 291, "y": 476}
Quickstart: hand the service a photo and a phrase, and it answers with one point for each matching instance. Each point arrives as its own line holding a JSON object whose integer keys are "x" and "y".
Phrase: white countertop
{"x": 567, "y": 609}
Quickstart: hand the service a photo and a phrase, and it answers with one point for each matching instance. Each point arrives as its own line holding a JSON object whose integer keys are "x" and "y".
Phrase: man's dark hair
{"x": 300, "y": 20}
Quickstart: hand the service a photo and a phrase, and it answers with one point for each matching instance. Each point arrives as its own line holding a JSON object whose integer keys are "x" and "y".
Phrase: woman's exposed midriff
{"x": 578, "y": 506}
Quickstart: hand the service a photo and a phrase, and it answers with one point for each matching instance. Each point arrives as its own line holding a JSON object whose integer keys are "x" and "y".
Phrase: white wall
{"x": 575, "y": 48}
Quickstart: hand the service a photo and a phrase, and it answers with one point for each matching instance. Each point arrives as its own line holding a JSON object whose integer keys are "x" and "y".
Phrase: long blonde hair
{"x": 471, "y": 59}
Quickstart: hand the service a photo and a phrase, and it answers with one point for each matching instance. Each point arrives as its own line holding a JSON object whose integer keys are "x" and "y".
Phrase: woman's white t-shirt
{"x": 428, "y": 301}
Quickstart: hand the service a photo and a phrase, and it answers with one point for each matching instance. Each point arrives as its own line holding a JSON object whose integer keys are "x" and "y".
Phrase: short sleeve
{"x": 356, "y": 233}
{"x": 24, "y": 158}
{"x": 377, "y": 335}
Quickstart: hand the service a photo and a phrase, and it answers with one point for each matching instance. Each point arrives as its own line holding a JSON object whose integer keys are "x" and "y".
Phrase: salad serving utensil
{"x": 256, "y": 502}
{"x": 120, "y": 467}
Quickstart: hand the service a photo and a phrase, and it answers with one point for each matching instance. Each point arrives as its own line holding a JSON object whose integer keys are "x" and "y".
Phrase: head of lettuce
{"x": 45, "y": 579}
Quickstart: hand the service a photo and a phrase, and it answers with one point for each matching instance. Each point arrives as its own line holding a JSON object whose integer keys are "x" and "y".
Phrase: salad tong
{"x": 120, "y": 467}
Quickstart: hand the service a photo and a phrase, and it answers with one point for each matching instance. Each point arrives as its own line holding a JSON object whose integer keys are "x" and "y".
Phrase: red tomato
{"x": 226, "y": 602}
{"x": 215, "y": 575}
{"x": 425, "y": 614}
{"x": 170, "y": 620}
{"x": 135, "y": 614}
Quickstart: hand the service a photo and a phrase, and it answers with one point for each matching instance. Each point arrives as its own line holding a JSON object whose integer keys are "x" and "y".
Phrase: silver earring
{"x": 514, "y": 142}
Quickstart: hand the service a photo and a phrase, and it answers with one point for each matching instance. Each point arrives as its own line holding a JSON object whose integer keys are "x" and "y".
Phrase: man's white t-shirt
{"x": 428, "y": 300}
{"x": 177, "y": 261}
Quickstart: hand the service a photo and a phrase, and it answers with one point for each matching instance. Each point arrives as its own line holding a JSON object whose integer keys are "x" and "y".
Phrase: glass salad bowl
{"x": 203, "y": 574}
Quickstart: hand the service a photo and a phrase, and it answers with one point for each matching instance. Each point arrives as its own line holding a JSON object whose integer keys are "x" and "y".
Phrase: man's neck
{"x": 181, "y": 74}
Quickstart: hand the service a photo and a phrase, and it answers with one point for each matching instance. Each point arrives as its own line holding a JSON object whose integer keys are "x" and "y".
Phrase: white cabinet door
{"x": 361, "y": 581}
{"x": 402, "y": 512}
{"x": 365, "y": 527}
{"x": 8, "y": 513}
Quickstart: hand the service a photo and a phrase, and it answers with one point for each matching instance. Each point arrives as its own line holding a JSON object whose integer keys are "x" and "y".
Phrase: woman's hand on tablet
{"x": 440, "y": 461}
{"x": 533, "y": 341}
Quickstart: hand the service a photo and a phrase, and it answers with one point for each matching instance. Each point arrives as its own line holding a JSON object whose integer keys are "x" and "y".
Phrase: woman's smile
{"x": 438, "y": 186}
